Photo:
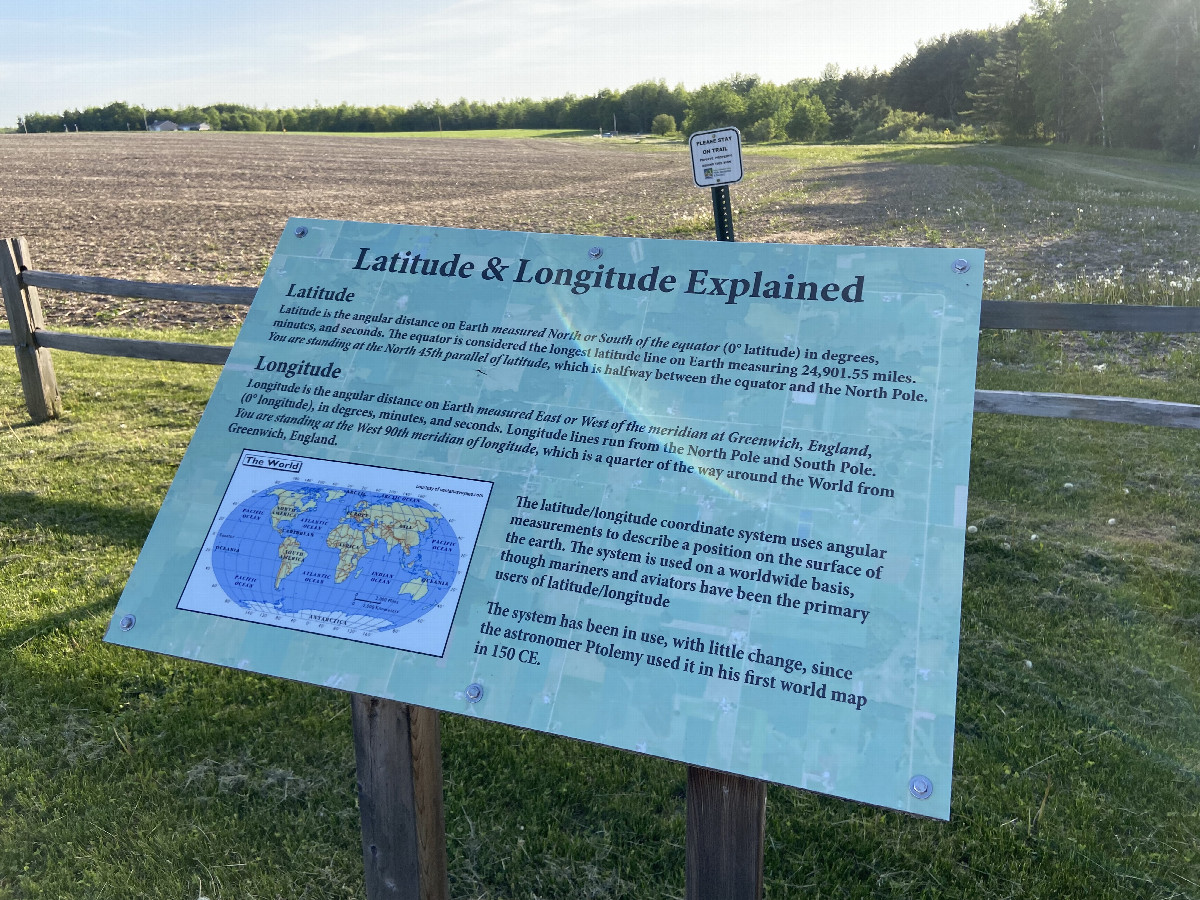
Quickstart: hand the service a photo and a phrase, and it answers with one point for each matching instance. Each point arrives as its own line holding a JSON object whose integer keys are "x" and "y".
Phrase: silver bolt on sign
{"x": 920, "y": 787}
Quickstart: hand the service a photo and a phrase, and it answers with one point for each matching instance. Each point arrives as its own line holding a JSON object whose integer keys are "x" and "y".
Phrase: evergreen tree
{"x": 1156, "y": 92}
{"x": 1002, "y": 98}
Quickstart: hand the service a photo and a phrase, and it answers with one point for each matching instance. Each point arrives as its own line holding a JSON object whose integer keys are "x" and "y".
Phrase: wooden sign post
{"x": 398, "y": 753}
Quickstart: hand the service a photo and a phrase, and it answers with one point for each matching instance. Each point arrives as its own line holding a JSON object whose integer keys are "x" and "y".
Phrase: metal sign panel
{"x": 703, "y": 501}
{"x": 716, "y": 157}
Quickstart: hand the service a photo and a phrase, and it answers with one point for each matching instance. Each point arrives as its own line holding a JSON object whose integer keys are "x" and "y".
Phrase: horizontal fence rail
{"x": 1121, "y": 410}
{"x": 161, "y": 351}
{"x": 1021, "y": 315}
{"x": 998, "y": 314}
{"x": 994, "y": 313}
{"x": 139, "y": 290}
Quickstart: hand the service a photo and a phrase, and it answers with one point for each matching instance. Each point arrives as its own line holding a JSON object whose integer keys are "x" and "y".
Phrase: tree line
{"x": 1094, "y": 72}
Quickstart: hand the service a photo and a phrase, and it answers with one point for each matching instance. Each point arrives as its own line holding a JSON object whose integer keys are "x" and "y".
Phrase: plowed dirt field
{"x": 209, "y": 208}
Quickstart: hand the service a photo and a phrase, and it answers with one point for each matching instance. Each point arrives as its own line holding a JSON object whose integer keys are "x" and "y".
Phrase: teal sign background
{"x": 709, "y": 498}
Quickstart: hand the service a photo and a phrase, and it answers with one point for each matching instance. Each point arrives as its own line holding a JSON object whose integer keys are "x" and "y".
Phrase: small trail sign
{"x": 716, "y": 157}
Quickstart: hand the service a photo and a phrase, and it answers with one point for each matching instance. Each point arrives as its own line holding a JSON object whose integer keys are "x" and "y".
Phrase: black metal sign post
{"x": 717, "y": 163}
{"x": 722, "y": 213}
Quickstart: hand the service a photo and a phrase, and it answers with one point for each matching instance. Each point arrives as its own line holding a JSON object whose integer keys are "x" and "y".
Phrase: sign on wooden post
{"x": 24, "y": 312}
{"x": 398, "y": 752}
{"x": 726, "y": 833}
{"x": 700, "y": 501}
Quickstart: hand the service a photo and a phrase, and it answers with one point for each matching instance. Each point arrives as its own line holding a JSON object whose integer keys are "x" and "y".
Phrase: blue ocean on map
{"x": 358, "y": 558}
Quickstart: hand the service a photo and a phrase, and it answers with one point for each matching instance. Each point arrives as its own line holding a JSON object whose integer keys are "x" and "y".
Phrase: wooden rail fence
{"x": 20, "y": 281}
{"x": 397, "y": 745}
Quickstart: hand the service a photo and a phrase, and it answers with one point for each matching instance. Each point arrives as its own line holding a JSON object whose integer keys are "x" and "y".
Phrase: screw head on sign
{"x": 128, "y": 622}
{"x": 920, "y": 787}
{"x": 301, "y": 230}
{"x": 961, "y": 266}
{"x": 474, "y": 692}
{"x": 595, "y": 253}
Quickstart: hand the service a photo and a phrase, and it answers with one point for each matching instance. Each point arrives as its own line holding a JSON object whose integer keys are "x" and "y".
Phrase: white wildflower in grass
{"x": 1033, "y": 537}
{"x": 971, "y": 529}
{"x": 1068, "y": 485}
{"x": 1006, "y": 546}
{"x": 1112, "y": 521}
{"x": 1029, "y": 663}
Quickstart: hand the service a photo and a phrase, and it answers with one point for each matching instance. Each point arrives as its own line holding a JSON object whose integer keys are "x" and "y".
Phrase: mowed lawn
{"x": 1077, "y": 771}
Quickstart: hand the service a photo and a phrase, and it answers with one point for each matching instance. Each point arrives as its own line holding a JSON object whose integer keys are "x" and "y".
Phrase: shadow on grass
{"x": 32, "y": 629}
{"x": 111, "y": 525}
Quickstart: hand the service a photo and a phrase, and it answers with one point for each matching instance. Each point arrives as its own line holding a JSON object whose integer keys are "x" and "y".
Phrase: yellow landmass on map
{"x": 416, "y": 587}
{"x": 291, "y": 554}
{"x": 397, "y": 524}
{"x": 288, "y": 505}
{"x": 348, "y": 541}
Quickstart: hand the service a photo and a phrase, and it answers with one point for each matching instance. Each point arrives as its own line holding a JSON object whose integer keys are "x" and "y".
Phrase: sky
{"x": 71, "y": 54}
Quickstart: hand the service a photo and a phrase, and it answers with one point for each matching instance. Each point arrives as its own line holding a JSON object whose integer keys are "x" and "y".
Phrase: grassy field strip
{"x": 1180, "y": 177}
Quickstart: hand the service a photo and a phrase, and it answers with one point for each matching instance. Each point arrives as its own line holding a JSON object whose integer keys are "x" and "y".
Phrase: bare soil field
{"x": 209, "y": 208}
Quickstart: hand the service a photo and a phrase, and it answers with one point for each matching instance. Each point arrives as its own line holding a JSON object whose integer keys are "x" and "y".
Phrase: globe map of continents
{"x": 365, "y": 560}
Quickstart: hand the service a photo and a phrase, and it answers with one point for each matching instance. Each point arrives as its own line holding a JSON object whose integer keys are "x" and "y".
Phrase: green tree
{"x": 768, "y": 109}
{"x": 715, "y": 105}
{"x": 870, "y": 119}
{"x": 938, "y": 77}
{"x": 663, "y": 124}
{"x": 1071, "y": 50}
{"x": 1091, "y": 32}
{"x": 761, "y": 131}
{"x": 827, "y": 85}
{"x": 1002, "y": 99}
{"x": 1156, "y": 93}
{"x": 642, "y": 102}
{"x": 1045, "y": 67}
{"x": 853, "y": 90}
{"x": 809, "y": 120}
{"x": 37, "y": 123}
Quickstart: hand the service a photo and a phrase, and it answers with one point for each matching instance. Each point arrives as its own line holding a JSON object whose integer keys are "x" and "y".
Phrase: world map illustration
{"x": 320, "y": 556}
{"x": 366, "y": 556}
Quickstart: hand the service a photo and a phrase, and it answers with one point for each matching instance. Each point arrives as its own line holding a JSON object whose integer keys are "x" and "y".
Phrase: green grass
{"x": 126, "y": 774}
{"x": 1077, "y": 770}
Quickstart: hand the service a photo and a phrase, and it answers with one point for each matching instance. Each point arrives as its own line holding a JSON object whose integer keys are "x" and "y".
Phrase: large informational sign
{"x": 699, "y": 500}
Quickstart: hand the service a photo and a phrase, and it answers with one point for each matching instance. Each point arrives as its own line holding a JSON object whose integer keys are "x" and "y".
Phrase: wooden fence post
{"x": 24, "y": 312}
{"x": 726, "y": 827}
{"x": 398, "y": 750}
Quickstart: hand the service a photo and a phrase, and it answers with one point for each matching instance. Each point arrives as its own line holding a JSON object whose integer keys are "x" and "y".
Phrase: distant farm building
{"x": 168, "y": 125}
